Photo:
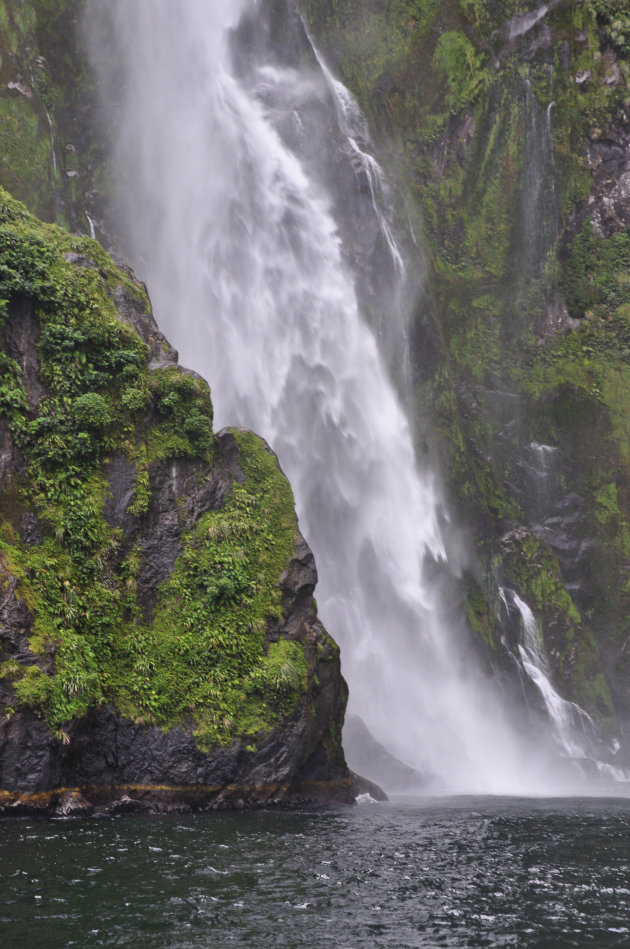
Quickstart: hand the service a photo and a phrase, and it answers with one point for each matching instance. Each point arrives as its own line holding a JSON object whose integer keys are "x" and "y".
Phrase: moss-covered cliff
{"x": 51, "y": 155}
{"x": 157, "y": 622}
{"x": 507, "y": 125}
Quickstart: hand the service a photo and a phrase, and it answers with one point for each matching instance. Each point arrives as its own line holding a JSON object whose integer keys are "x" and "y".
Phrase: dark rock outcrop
{"x": 116, "y": 750}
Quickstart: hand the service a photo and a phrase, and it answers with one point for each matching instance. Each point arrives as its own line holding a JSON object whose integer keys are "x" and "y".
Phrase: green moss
{"x": 52, "y": 158}
{"x": 204, "y": 657}
{"x": 595, "y": 276}
{"x": 589, "y": 366}
{"x": 480, "y": 616}
{"x": 184, "y": 411}
{"x": 615, "y": 18}
{"x": 26, "y": 162}
{"x": 277, "y": 682}
{"x": 462, "y": 66}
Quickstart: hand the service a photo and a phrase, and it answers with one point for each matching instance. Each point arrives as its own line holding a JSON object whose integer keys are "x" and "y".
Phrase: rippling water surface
{"x": 460, "y": 872}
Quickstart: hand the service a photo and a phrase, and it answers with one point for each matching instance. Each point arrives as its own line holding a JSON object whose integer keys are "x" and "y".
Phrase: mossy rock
{"x": 142, "y": 556}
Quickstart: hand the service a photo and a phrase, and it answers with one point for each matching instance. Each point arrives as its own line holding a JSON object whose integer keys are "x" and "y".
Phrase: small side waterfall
{"x": 393, "y": 330}
{"x": 353, "y": 125}
{"x": 568, "y": 720}
{"x": 91, "y": 226}
{"x": 540, "y": 203}
{"x": 573, "y": 729}
{"x": 245, "y": 265}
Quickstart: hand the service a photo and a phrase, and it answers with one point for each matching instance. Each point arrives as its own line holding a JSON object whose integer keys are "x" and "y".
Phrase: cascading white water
{"x": 354, "y": 127}
{"x": 573, "y": 729}
{"x": 246, "y": 271}
{"x": 567, "y": 719}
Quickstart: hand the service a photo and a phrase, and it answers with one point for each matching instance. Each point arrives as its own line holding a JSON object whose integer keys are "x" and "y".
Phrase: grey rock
{"x": 79, "y": 260}
{"x": 131, "y": 310}
{"x": 121, "y": 478}
{"x": 73, "y": 804}
{"x": 15, "y": 620}
{"x": 19, "y": 336}
{"x": 11, "y": 458}
{"x": 30, "y": 529}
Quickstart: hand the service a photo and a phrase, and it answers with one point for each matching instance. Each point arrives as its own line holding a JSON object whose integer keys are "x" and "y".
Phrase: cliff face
{"x": 507, "y": 124}
{"x": 52, "y": 156}
{"x": 158, "y": 635}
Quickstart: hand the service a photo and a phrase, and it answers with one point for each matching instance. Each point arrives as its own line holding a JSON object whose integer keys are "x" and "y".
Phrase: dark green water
{"x": 461, "y": 872}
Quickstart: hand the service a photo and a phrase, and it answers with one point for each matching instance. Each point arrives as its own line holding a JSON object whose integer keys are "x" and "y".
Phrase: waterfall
{"x": 567, "y": 719}
{"x": 573, "y": 729}
{"x": 539, "y": 200}
{"x": 91, "y": 226}
{"x": 353, "y": 125}
{"x": 245, "y": 265}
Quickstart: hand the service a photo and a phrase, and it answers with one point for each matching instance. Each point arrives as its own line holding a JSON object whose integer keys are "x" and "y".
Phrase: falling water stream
{"x": 246, "y": 269}
{"x": 574, "y": 731}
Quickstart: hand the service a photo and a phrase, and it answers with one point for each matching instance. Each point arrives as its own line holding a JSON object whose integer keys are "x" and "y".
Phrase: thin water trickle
{"x": 91, "y": 226}
{"x": 53, "y": 150}
{"x": 244, "y": 263}
{"x": 539, "y": 200}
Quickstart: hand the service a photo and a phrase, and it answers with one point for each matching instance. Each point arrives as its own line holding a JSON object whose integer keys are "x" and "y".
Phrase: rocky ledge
{"x": 160, "y": 647}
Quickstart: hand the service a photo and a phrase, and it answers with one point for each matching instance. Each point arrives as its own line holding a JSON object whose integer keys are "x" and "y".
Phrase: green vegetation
{"x": 462, "y": 66}
{"x": 201, "y": 655}
{"x": 185, "y": 412}
{"x": 595, "y": 275}
{"x": 615, "y": 17}
{"x": 204, "y": 658}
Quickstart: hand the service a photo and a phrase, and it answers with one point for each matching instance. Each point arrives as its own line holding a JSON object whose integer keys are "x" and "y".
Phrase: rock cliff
{"x": 159, "y": 642}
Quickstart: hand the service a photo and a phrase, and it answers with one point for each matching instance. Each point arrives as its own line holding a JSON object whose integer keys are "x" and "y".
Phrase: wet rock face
{"x": 112, "y": 759}
{"x": 609, "y": 161}
{"x": 180, "y": 494}
{"x": 298, "y": 761}
{"x": 20, "y": 334}
{"x": 131, "y": 311}
{"x": 10, "y": 458}
{"x": 15, "y": 619}
{"x": 530, "y": 333}
{"x": 104, "y": 751}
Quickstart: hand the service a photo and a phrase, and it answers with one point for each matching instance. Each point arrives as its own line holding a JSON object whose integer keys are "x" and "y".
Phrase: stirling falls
{"x": 394, "y": 239}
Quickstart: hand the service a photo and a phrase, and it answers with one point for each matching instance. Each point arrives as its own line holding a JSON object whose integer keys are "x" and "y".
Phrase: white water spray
{"x": 245, "y": 267}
